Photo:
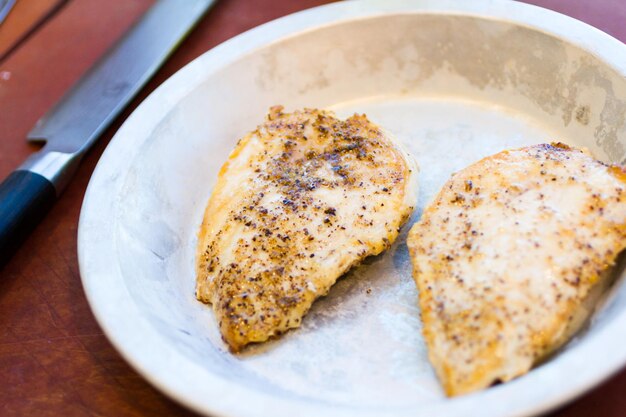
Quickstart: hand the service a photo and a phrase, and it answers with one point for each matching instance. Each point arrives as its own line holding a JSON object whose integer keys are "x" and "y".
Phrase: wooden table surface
{"x": 54, "y": 359}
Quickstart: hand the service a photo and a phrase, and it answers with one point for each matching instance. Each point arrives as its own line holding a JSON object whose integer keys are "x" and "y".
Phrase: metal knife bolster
{"x": 56, "y": 167}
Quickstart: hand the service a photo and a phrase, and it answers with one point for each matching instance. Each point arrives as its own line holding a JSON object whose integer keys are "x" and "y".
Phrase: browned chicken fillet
{"x": 300, "y": 200}
{"x": 506, "y": 255}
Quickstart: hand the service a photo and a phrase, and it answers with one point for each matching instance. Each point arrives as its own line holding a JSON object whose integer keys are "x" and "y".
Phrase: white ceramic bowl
{"x": 455, "y": 81}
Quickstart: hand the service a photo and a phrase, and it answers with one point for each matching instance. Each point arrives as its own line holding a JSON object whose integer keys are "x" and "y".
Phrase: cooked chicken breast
{"x": 300, "y": 200}
{"x": 506, "y": 255}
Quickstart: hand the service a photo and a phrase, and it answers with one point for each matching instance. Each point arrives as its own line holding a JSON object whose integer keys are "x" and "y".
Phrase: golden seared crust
{"x": 505, "y": 256}
{"x": 300, "y": 200}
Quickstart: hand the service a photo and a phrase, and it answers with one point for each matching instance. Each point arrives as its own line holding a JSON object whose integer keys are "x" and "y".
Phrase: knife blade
{"x": 72, "y": 126}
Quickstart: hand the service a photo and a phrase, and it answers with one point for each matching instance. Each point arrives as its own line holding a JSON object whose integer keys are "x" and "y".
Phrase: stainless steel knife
{"x": 71, "y": 127}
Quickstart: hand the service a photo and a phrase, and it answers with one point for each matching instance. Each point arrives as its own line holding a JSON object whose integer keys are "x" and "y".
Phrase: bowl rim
{"x": 171, "y": 371}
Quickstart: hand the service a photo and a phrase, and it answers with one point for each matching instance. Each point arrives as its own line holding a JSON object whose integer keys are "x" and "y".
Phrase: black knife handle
{"x": 25, "y": 198}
